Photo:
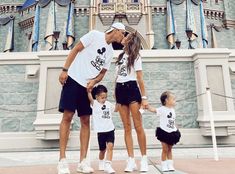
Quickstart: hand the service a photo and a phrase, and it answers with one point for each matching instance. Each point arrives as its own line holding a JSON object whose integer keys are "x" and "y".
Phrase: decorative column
{"x": 48, "y": 119}
{"x": 150, "y": 33}
{"x": 212, "y": 70}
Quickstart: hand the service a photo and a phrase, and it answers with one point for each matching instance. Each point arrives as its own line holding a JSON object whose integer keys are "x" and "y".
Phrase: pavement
{"x": 187, "y": 160}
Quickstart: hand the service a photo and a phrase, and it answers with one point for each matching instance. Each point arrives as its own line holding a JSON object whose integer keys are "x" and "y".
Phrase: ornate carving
{"x": 28, "y": 23}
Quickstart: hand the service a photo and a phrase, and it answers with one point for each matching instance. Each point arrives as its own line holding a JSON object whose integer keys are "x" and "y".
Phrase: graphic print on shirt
{"x": 171, "y": 121}
{"x": 106, "y": 113}
{"x": 100, "y": 59}
{"x": 122, "y": 68}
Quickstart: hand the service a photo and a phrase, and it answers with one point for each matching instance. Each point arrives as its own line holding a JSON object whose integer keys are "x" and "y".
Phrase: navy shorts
{"x": 74, "y": 97}
{"x": 105, "y": 137}
{"x": 127, "y": 92}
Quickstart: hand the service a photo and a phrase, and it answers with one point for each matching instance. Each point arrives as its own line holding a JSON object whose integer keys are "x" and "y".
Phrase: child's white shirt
{"x": 102, "y": 116}
{"x": 167, "y": 118}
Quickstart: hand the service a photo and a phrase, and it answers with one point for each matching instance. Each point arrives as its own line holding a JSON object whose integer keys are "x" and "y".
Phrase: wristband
{"x": 65, "y": 69}
{"x": 144, "y": 97}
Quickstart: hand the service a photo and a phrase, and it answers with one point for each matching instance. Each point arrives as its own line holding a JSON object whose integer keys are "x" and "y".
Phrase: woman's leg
{"x": 125, "y": 116}
{"x": 137, "y": 119}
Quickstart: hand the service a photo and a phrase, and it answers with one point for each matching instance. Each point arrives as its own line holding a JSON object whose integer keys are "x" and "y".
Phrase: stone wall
{"x": 17, "y": 93}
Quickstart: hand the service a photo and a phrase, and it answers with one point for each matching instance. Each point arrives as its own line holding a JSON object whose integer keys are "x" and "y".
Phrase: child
{"x": 103, "y": 125}
{"x": 167, "y": 133}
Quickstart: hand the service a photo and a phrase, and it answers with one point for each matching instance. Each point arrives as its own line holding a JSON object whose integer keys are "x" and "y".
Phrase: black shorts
{"x": 74, "y": 97}
{"x": 104, "y": 138}
{"x": 168, "y": 138}
{"x": 127, "y": 92}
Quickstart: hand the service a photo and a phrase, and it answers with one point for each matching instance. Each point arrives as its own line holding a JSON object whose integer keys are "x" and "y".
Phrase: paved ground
{"x": 187, "y": 160}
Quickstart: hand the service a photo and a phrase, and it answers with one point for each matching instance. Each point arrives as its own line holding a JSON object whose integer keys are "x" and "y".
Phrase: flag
{"x": 50, "y": 27}
{"x": 35, "y": 34}
{"x": 170, "y": 25}
{"x": 203, "y": 26}
{"x": 10, "y": 37}
{"x": 190, "y": 21}
{"x": 70, "y": 26}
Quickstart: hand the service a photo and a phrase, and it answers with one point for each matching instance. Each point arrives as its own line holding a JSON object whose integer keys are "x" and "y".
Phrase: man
{"x": 85, "y": 66}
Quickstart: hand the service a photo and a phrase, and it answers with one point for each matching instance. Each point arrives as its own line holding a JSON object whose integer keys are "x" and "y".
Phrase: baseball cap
{"x": 116, "y": 25}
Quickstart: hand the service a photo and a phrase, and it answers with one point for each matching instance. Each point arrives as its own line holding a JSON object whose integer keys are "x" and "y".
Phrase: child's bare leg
{"x": 164, "y": 151}
{"x": 102, "y": 154}
{"x": 109, "y": 154}
{"x": 169, "y": 154}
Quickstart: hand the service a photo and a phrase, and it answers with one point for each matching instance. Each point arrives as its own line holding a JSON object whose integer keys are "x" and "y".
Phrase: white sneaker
{"x": 170, "y": 165}
{"x": 63, "y": 167}
{"x": 108, "y": 168}
{"x": 144, "y": 164}
{"x": 84, "y": 167}
{"x": 164, "y": 166}
{"x": 101, "y": 165}
{"x": 131, "y": 165}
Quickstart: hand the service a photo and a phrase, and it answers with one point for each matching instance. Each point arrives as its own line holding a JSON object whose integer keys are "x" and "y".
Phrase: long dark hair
{"x": 132, "y": 49}
{"x": 98, "y": 89}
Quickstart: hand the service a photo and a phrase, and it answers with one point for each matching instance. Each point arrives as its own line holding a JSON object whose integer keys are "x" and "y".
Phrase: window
{"x": 105, "y": 1}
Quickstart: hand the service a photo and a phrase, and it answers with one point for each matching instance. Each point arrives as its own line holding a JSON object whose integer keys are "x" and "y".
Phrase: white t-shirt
{"x": 122, "y": 74}
{"x": 95, "y": 56}
{"x": 102, "y": 116}
{"x": 167, "y": 118}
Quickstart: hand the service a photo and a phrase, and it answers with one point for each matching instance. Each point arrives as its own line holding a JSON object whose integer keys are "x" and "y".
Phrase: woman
{"x": 130, "y": 95}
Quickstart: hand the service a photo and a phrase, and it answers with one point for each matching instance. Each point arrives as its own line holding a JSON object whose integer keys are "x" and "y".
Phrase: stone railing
{"x": 9, "y": 8}
{"x": 132, "y": 11}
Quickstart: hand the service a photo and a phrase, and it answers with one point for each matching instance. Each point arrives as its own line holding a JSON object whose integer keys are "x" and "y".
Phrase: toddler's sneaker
{"x": 144, "y": 164}
{"x": 108, "y": 168}
{"x": 63, "y": 167}
{"x": 164, "y": 166}
{"x": 84, "y": 167}
{"x": 131, "y": 165}
{"x": 101, "y": 165}
{"x": 170, "y": 165}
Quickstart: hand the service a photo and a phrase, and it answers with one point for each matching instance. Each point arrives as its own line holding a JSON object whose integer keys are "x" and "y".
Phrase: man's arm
{"x": 96, "y": 80}
{"x": 64, "y": 74}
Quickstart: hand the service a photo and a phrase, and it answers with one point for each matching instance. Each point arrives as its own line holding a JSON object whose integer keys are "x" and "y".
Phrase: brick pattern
{"x": 17, "y": 93}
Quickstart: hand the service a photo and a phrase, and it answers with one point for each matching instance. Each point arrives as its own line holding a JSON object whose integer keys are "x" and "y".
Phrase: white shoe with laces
{"x": 131, "y": 165}
{"x": 108, "y": 168}
{"x": 101, "y": 165}
{"x": 144, "y": 164}
{"x": 63, "y": 167}
{"x": 84, "y": 167}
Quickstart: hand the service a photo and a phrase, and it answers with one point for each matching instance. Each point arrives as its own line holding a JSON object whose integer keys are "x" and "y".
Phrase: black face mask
{"x": 103, "y": 107}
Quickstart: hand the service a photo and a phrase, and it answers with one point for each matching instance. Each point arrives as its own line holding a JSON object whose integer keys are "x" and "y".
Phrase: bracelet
{"x": 65, "y": 69}
{"x": 144, "y": 97}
